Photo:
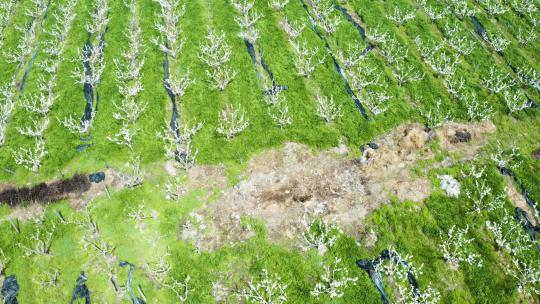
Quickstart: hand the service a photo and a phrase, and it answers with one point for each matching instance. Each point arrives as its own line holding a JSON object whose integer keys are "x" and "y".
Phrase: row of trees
{"x": 39, "y": 105}
{"x": 91, "y": 67}
{"x": 365, "y": 79}
{"x": 20, "y": 57}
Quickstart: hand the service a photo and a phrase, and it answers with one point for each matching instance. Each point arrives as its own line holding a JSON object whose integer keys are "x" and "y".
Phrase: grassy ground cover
{"x": 413, "y": 228}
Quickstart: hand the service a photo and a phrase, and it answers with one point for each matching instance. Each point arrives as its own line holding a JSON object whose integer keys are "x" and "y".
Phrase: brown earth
{"x": 283, "y": 187}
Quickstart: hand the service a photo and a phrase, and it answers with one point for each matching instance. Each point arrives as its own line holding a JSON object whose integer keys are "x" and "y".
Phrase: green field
{"x": 425, "y": 61}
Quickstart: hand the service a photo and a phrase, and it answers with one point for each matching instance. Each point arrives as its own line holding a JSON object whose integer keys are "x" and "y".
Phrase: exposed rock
{"x": 450, "y": 185}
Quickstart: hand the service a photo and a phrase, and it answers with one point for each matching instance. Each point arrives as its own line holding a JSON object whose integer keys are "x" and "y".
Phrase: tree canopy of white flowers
{"x": 26, "y": 45}
{"x": 327, "y": 108}
{"x": 333, "y": 282}
{"x": 307, "y": 59}
{"x": 515, "y": 101}
{"x": 482, "y": 195}
{"x": 497, "y": 81}
{"x": 278, "y": 5}
{"x": 129, "y": 81}
{"x": 498, "y": 43}
{"x": 433, "y": 13}
{"x": 462, "y": 8}
{"x": 505, "y": 158}
{"x": 292, "y": 29}
{"x": 40, "y": 240}
{"x": 232, "y": 121}
{"x": 399, "y": 267}
{"x": 527, "y": 275}
{"x": 247, "y": 20}
{"x": 7, "y": 104}
{"x": 477, "y": 110}
{"x": 267, "y": 290}
{"x": 458, "y": 40}
{"x": 435, "y": 117}
{"x": 455, "y": 247}
{"x": 394, "y": 51}
{"x": 494, "y": 7}
{"x": 181, "y": 289}
{"x": 91, "y": 66}
{"x": 428, "y": 295}
{"x": 7, "y": 8}
{"x": 326, "y": 16}
{"x": 177, "y": 144}
{"x": 319, "y": 235}
{"x": 280, "y": 115}
{"x": 438, "y": 58}
{"x": 402, "y": 16}
{"x": 170, "y": 40}
{"x": 377, "y": 36}
{"x": 216, "y": 54}
{"x": 529, "y": 76}
{"x": 509, "y": 235}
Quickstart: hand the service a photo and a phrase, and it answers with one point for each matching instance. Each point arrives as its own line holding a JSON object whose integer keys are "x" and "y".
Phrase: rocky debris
{"x": 450, "y": 185}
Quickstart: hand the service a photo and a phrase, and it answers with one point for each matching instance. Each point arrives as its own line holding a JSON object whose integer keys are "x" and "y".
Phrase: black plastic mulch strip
{"x": 350, "y": 18}
{"x": 34, "y": 54}
{"x": 81, "y": 291}
{"x": 479, "y": 29}
{"x": 129, "y": 287}
{"x": 337, "y": 66}
{"x": 87, "y": 88}
{"x": 167, "y": 74}
{"x": 520, "y": 214}
{"x": 369, "y": 266}
{"x": 10, "y": 290}
{"x": 252, "y": 53}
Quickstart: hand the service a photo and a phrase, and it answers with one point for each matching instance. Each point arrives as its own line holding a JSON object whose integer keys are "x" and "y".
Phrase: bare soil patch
{"x": 284, "y": 187}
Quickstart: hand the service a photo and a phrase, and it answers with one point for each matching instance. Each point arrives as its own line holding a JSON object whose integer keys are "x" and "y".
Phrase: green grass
{"x": 411, "y": 227}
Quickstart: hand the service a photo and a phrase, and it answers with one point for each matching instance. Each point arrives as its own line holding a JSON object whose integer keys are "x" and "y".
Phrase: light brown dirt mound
{"x": 284, "y": 186}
